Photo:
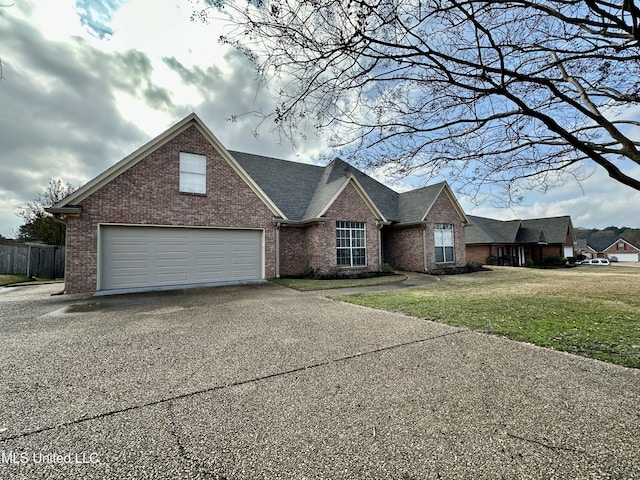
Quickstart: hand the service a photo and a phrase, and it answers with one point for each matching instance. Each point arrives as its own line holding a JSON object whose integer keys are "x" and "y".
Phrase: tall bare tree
{"x": 522, "y": 94}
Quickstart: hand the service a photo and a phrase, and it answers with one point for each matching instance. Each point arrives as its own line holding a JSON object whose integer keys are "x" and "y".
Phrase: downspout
{"x": 380, "y": 248}
{"x": 424, "y": 248}
{"x": 278, "y": 224}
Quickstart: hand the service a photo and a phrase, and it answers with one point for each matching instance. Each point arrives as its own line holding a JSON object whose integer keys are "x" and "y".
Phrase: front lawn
{"x": 307, "y": 284}
{"x": 594, "y": 312}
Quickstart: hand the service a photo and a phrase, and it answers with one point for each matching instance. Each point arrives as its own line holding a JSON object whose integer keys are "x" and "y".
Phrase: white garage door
{"x": 146, "y": 257}
{"x": 625, "y": 257}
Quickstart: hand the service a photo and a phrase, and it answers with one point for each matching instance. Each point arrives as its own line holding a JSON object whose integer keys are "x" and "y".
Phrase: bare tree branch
{"x": 521, "y": 92}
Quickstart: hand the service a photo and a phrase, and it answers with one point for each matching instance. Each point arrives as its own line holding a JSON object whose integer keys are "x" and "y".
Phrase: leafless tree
{"x": 39, "y": 223}
{"x": 522, "y": 94}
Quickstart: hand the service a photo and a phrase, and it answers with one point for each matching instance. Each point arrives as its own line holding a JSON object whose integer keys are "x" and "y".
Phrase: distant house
{"x": 513, "y": 242}
{"x": 184, "y": 210}
{"x": 607, "y": 247}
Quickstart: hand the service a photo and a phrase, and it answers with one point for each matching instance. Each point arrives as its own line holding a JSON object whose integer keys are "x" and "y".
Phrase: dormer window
{"x": 193, "y": 173}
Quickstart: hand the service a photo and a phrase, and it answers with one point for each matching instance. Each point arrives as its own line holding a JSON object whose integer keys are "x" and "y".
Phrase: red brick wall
{"x": 403, "y": 248}
{"x": 148, "y": 193}
{"x": 350, "y": 207}
{"x": 554, "y": 250}
{"x": 628, "y": 248}
{"x": 294, "y": 254}
{"x": 479, "y": 253}
{"x": 443, "y": 211}
{"x": 315, "y": 245}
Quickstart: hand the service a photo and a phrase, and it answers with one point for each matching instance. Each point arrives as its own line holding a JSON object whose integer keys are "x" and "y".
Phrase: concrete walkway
{"x": 413, "y": 280}
{"x": 262, "y": 382}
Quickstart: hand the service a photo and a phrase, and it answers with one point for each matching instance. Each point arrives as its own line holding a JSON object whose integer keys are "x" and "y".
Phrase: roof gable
{"x": 415, "y": 205}
{"x": 385, "y": 199}
{"x": 556, "y": 229}
{"x": 305, "y": 191}
{"x": 70, "y": 202}
{"x": 601, "y": 244}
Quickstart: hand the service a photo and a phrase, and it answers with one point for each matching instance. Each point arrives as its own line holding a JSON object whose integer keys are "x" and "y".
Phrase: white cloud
{"x": 597, "y": 203}
{"x": 76, "y": 101}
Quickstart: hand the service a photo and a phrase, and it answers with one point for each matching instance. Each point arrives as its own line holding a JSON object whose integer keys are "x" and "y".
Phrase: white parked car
{"x": 595, "y": 261}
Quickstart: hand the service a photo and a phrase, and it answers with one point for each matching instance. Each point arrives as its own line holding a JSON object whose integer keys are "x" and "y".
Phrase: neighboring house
{"x": 607, "y": 247}
{"x": 183, "y": 210}
{"x": 513, "y": 242}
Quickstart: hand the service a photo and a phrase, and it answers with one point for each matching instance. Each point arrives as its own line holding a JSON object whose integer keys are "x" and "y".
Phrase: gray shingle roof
{"x": 302, "y": 191}
{"x": 290, "y": 185}
{"x": 385, "y": 198}
{"x": 600, "y": 244}
{"x": 537, "y": 230}
{"x": 413, "y": 205}
{"x": 531, "y": 235}
{"x": 489, "y": 230}
{"x": 555, "y": 228}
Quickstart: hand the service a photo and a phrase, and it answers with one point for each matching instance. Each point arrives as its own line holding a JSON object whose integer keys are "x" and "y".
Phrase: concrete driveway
{"x": 261, "y": 382}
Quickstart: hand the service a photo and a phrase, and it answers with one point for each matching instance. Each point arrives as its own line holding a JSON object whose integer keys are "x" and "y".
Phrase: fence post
{"x": 53, "y": 263}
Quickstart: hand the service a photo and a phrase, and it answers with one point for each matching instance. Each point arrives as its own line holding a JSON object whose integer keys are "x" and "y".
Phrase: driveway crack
{"x": 196, "y": 464}
{"x": 320, "y": 364}
{"x": 545, "y": 444}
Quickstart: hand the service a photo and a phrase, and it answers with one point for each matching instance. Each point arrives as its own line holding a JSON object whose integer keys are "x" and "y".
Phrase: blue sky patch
{"x": 96, "y": 15}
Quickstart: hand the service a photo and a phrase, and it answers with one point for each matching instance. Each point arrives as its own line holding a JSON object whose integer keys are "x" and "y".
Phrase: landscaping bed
{"x": 364, "y": 279}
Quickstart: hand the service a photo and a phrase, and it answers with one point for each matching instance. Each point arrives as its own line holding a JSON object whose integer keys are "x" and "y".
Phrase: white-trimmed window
{"x": 193, "y": 173}
{"x": 351, "y": 245}
{"x": 443, "y": 240}
{"x": 621, "y": 246}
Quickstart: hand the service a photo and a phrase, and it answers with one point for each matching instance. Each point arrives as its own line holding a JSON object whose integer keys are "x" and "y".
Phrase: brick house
{"x": 513, "y": 242}
{"x": 182, "y": 210}
{"x": 607, "y": 247}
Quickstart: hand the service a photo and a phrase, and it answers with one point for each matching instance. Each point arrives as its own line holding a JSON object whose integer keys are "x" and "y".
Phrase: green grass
{"x": 589, "y": 311}
{"x": 10, "y": 279}
{"x": 306, "y": 285}
{"x": 13, "y": 279}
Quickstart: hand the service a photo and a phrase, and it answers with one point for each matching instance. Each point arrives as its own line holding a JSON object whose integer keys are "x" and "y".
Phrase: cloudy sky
{"x": 87, "y": 82}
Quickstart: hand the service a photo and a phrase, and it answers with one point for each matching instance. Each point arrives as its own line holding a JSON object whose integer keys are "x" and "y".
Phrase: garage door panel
{"x": 173, "y": 262}
{"x": 202, "y": 277}
{"x": 172, "y": 278}
{"x": 130, "y": 281}
{"x": 130, "y": 249}
{"x": 172, "y": 249}
{"x": 141, "y": 256}
{"x": 212, "y": 248}
{"x": 133, "y": 262}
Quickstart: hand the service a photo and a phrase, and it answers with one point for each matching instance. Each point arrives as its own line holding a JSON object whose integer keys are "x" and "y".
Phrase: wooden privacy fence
{"x": 46, "y": 261}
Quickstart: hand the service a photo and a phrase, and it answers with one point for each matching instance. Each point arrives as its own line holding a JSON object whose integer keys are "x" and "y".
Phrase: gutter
{"x": 408, "y": 224}
{"x": 61, "y": 214}
{"x": 70, "y": 210}
{"x": 296, "y": 223}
